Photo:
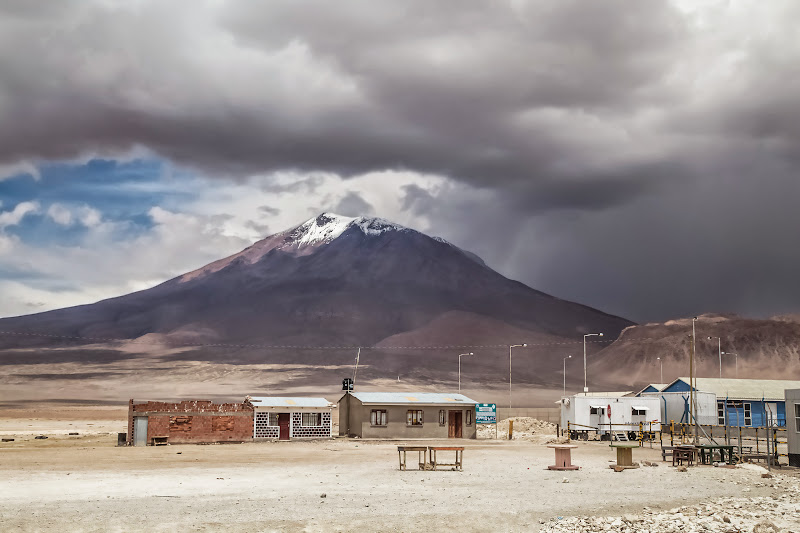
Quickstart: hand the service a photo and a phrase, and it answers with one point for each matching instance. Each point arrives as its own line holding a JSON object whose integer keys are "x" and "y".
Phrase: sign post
{"x": 486, "y": 413}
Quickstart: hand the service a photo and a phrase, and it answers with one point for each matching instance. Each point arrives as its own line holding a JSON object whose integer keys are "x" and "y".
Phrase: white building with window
{"x": 392, "y": 415}
{"x": 291, "y": 418}
{"x": 793, "y": 425}
{"x": 609, "y": 416}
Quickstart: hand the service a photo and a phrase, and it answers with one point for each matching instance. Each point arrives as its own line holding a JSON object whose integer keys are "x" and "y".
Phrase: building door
{"x": 283, "y": 423}
{"x": 140, "y": 431}
{"x": 454, "y": 424}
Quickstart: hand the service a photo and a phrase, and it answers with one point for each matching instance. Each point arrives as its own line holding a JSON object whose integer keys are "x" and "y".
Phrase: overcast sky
{"x": 640, "y": 157}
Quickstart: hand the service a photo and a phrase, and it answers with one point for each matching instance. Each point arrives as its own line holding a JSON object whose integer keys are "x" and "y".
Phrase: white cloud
{"x": 60, "y": 214}
{"x": 20, "y": 211}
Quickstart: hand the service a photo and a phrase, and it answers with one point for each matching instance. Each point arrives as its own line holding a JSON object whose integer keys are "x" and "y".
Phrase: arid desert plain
{"x": 85, "y": 482}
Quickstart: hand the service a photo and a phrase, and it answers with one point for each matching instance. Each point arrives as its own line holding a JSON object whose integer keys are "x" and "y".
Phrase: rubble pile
{"x": 779, "y": 513}
{"x": 525, "y": 428}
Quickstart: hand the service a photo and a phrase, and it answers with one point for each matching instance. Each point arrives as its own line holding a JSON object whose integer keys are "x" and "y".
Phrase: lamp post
{"x": 719, "y": 350}
{"x": 585, "y": 388}
{"x": 565, "y": 374}
{"x": 510, "y": 347}
{"x": 662, "y": 369}
{"x": 737, "y": 361}
{"x": 459, "y": 368}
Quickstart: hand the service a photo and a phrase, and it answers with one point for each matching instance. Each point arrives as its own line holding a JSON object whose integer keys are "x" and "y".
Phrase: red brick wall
{"x": 194, "y": 421}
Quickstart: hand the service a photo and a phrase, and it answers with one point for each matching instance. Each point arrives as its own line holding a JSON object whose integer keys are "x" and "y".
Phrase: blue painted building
{"x": 744, "y": 402}
{"x": 653, "y": 387}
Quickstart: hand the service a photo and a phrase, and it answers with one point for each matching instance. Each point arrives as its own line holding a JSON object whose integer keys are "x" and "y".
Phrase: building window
{"x": 311, "y": 420}
{"x": 442, "y": 417}
{"x": 595, "y": 410}
{"x": 469, "y": 418}
{"x": 721, "y": 413}
{"x": 377, "y": 417}
{"x": 414, "y": 417}
{"x": 273, "y": 419}
{"x": 748, "y": 421}
{"x": 638, "y": 412}
{"x": 797, "y": 417}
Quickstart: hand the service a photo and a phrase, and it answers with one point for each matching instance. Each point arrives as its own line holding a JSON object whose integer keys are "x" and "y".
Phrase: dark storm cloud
{"x": 652, "y": 147}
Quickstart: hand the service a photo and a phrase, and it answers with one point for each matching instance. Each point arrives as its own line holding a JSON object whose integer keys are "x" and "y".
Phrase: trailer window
{"x": 638, "y": 412}
{"x": 721, "y": 413}
{"x": 797, "y": 417}
{"x": 595, "y": 410}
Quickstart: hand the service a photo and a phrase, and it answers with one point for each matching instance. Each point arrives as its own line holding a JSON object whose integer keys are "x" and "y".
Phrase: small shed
{"x": 609, "y": 414}
{"x": 188, "y": 421}
{"x": 792, "y": 399}
{"x": 393, "y": 415}
{"x": 291, "y": 418}
{"x": 743, "y": 402}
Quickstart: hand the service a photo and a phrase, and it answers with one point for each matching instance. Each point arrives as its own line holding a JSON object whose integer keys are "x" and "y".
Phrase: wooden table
{"x": 423, "y": 454}
{"x": 707, "y": 452}
{"x": 563, "y": 459}
{"x": 625, "y": 454}
{"x": 683, "y": 453}
{"x": 458, "y": 464}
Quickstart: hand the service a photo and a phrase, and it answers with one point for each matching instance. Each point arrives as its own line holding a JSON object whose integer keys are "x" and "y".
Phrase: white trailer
{"x": 609, "y": 417}
{"x": 675, "y": 407}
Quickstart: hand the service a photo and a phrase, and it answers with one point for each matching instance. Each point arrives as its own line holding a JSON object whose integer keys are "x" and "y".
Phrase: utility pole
{"x": 355, "y": 371}
{"x": 692, "y": 384}
{"x": 719, "y": 351}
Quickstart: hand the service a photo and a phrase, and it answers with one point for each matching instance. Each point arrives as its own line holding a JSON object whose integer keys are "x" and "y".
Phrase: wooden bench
{"x": 666, "y": 451}
{"x": 160, "y": 440}
{"x": 423, "y": 454}
{"x": 459, "y": 461}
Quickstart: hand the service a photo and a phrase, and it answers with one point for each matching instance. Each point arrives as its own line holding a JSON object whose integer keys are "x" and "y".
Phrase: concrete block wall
{"x": 262, "y": 428}
{"x": 318, "y": 432}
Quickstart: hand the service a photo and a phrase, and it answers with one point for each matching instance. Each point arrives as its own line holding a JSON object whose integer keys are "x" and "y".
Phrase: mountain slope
{"x": 767, "y": 349}
{"x": 331, "y": 280}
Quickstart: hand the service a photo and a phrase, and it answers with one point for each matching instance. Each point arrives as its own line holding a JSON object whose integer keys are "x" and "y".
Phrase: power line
{"x": 173, "y": 343}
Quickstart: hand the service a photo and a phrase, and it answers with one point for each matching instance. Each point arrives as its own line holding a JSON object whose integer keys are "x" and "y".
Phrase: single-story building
{"x": 407, "y": 415}
{"x": 792, "y": 399}
{"x": 291, "y": 418}
{"x": 743, "y": 402}
{"x": 190, "y": 421}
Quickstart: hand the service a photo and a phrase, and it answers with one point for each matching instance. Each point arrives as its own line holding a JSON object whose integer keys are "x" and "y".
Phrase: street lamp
{"x": 565, "y": 374}
{"x": 719, "y": 350}
{"x": 509, "y": 370}
{"x": 662, "y": 369}
{"x": 737, "y": 361}
{"x": 585, "y": 388}
{"x": 459, "y": 368}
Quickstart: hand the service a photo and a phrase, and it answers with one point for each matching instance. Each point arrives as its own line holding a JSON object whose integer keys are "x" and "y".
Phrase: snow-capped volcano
{"x": 335, "y": 280}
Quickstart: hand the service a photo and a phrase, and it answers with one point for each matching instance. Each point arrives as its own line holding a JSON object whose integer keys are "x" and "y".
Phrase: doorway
{"x": 454, "y": 424}
{"x": 140, "y": 431}
{"x": 283, "y": 424}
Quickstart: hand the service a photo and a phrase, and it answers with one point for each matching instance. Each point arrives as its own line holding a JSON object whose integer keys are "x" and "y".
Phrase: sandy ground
{"x": 85, "y": 483}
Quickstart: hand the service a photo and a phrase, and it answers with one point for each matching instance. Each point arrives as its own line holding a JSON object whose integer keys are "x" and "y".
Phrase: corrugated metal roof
{"x": 411, "y": 398}
{"x": 744, "y": 389}
{"x": 658, "y": 386}
{"x": 275, "y": 401}
{"x": 617, "y": 394}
